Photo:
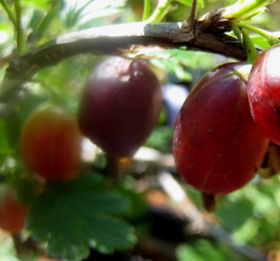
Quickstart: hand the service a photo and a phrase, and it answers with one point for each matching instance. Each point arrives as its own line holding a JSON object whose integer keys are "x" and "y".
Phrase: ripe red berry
{"x": 217, "y": 146}
{"x": 120, "y": 105}
{"x": 264, "y": 93}
{"x": 51, "y": 143}
{"x": 12, "y": 213}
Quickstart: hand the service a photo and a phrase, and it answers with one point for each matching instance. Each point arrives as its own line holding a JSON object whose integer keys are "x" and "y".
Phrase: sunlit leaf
{"x": 82, "y": 13}
{"x": 200, "y": 3}
{"x": 202, "y": 250}
{"x": 183, "y": 63}
{"x": 35, "y": 20}
{"x": 210, "y": 251}
{"x": 248, "y": 231}
{"x": 45, "y": 23}
{"x": 260, "y": 41}
{"x": 37, "y": 3}
{"x": 186, "y": 252}
{"x": 160, "y": 138}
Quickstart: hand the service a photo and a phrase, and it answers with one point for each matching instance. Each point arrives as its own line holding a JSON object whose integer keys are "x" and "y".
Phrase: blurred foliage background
{"x": 250, "y": 215}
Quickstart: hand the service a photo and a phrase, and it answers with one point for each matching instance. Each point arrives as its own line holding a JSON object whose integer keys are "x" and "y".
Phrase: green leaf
{"x": 247, "y": 232}
{"x": 202, "y": 249}
{"x": 160, "y": 139}
{"x": 35, "y": 19}
{"x": 181, "y": 62}
{"x": 13, "y": 128}
{"x": 175, "y": 67}
{"x": 139, "y": 208}
{"x": 5, "y": 149}
{"x": 71, "y": 217}
{"x": 260, "y": 41}
{"x": 209, "y": 250}
{"x": 84, "y": 14}
{"x": 74, "y": 15}
{"x": 200, "y": 3}
{"x": 45, "y": 23}
{"x": 226, "y": 212}
{"x": 37, "y": 3}
{"x": 186, "y": 252}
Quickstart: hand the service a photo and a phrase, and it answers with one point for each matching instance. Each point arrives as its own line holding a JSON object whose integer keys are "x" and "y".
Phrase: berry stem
{"x": 271, "y": 38}
{"x": 161, "y": 10}
{"x": 147, "y": 7}
{"x": 19, "y": 31}
{"x": 252, "y": 53}
{"x": 113, "y": 166}
{"x": 209, "y": 201}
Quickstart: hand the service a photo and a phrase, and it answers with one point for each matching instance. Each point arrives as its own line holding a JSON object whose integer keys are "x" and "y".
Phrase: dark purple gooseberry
{"x": 120, "y": 105}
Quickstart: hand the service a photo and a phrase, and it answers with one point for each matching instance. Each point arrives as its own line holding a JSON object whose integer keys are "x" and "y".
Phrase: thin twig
{"x": 113, "y": 166}
{"x": 198, "y": 222}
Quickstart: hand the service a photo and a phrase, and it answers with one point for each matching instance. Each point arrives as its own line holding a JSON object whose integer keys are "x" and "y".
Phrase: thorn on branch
{"x": 189, "y": 24}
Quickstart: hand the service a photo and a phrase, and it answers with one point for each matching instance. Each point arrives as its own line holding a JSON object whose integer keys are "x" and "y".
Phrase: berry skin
{"x": 120, "y": 106}
{"x": 264, "y": 93}
{"x": 216, "y": 144}
{"x": 51, "y": 143}
{"x": 12, "y": 213}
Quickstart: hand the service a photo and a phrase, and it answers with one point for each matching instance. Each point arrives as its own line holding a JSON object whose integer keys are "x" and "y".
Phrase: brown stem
{"x": 119, "y": 39}
{"x": 24, "y": 246}
{"x": 209, "y": 201}
{"x": 113, "y": 166}
{"x": 17, "y": 243}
